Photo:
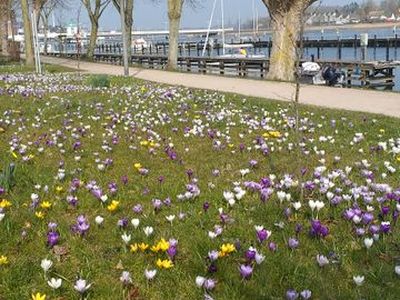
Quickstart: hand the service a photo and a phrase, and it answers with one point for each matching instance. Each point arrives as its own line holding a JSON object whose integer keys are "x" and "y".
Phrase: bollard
{"x": 387, "y": 50}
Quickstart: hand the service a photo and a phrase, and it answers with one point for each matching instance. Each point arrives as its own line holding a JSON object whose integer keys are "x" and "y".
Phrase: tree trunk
{"x": 128, "y": 21}
{"x": 286, "y": 21}
{"x": 93, "y": 39}
{"x": 4, "y": 28}
{"x": 285, "y": 33}
{"x": 129, "y": 25}
{"x": 46, "y": 33}
{"x": 174, "y": 16}
{"x": 27, "y": 33}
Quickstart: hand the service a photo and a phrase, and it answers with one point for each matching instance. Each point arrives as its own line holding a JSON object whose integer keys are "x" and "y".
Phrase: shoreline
{"x": 345, "y": 26}
{"x": 354, "y": 26}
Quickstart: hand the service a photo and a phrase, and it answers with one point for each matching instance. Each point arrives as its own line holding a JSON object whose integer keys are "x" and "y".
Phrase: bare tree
{"x": 286, "y": 16}
{"x": 95, "y": 10}
{"x": 4, "y": 6}
{"x": 29, "y": 57}
{"x": 174, "y": 17}
{"x": 45, "y": 12}
{"x": 128, "y": 21}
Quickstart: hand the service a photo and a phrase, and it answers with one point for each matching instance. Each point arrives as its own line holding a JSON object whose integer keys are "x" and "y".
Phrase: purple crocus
{"x": 81, "y": 226}
{"x": 171, "y": 251}
{"x": 250, "y": 254}
{"x": 263, "y": 234}
{"x": 246, "y": 271}
{"x": 292, "y": 294}
{"x": 138, "y": 208}
{"x": 293, "y": 243}
{"x": 52, "y": 238}
{"x": 385, "y": 227}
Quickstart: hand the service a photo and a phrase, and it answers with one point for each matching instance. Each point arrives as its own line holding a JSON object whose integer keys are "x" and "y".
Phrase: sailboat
{"x": 233, "y": 50}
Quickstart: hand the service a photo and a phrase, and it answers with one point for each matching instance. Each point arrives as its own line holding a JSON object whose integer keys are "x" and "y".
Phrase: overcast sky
{"x": 153, "y": 14}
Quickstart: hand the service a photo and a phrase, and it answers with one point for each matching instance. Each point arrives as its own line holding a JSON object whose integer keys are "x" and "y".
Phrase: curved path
{"x": 386, "y": 103}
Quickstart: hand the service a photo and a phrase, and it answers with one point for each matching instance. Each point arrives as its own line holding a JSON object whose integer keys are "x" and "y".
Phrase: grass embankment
{"x": 137, "y": 142}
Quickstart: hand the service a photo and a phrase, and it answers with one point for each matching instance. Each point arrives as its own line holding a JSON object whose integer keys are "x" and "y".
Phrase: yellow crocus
{"x": 164, "y": 264}
{"x": 143, "y": 246}
{"x": 39, "y": 214}
{"x": 59, "y": 189}
{"x": 5, "y": 203}
{"x": 3, "y": 260}
{"x": 227, "y": 248}
{"x": 138, "y": 165}
{"x": 155, "y": 248}
{"x": 113, "y": 206}
{"x": 163, "y": 245}
{"x": 398, "y": 158}
{"x": 45, "y": 204}
{"x": 38, "y": 296}
{"x": 134, "y": 247}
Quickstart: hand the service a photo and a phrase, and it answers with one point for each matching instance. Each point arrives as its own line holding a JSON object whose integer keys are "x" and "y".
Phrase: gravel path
{"x": 386, "y": 103}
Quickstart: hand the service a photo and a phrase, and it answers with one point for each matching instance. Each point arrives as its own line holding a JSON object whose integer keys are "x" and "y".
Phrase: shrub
{"x": 97, "y": 81}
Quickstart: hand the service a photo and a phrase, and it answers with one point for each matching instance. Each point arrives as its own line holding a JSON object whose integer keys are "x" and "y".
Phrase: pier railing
{"x": 368, "y": 74}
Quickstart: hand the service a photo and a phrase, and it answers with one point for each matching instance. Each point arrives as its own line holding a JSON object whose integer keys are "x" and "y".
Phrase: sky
{"x": 150, "y": 14}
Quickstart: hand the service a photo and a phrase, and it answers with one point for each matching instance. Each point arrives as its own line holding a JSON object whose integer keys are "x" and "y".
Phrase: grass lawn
{"x": 203, "y": 187}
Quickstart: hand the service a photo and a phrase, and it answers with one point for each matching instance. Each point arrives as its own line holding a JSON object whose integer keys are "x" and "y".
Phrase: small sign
{"x": 364, "y": 39}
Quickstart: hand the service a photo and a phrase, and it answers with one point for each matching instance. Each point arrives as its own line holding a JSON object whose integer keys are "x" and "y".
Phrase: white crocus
{"x": 296, "y": 205}
{"x": 46, "y": 264}
{"x": 55, "y": 283}
{"x": 170, "y": 218}
{"x": 135, "y": 223}
{"x": 368, "y": 242}
{"x": 126, "y": 238}
{"x": 99, "y": 220}
{"x": 358, "y": 280}
{"x": 148, "y": 230}
{"x": 397, "y": 270}
{"x": 150, "y": 274}
{"x": 200, "y": 281}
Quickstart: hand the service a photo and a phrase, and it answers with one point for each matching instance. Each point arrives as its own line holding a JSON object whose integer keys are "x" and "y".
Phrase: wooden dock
{"x": 370, "y": 74}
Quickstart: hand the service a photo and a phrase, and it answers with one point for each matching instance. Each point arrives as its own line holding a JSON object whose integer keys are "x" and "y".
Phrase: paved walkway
{"x": 387, "y": 103}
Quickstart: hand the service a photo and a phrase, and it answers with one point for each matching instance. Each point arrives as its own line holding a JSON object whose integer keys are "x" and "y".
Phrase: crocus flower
{"x": 55, "y": 283}
{"x": 99, "y": 220}
{"x": 52, "y": 238}
{"x": 292, "y": 294}
{"x": 358, "y": 280}
{"x": 38, "y": 296}
{"x": 209, "y": 284}
{"x": 246, "y": 271}
{"x": 306, "y": 294}
{"x": 125, "y": 278}
{"x": 293, "y": 243}
{"x": 397, "y": 270}
{"x": 322, "y": 260}
{"x": 150, "y": 274}
{"x": 81, "y": 286}
{"x": 46, "y": 264}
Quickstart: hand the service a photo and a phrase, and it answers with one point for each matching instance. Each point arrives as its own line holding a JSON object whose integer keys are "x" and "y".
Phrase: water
{"x": 373, "y": 54}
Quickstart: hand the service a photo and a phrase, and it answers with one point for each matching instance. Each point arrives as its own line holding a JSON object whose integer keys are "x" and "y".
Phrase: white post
{"x": 209, "y": 28}
{"x": 124, "y": 38}
{"x": 223, "y": 27}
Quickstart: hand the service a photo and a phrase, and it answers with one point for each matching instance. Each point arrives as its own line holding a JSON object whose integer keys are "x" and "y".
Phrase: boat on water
{"x": 240, "y": 50}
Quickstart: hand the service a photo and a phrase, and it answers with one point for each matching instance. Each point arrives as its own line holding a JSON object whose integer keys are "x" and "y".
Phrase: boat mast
{"x": 209, "y": 28}
{"x": 223, "y": 27}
